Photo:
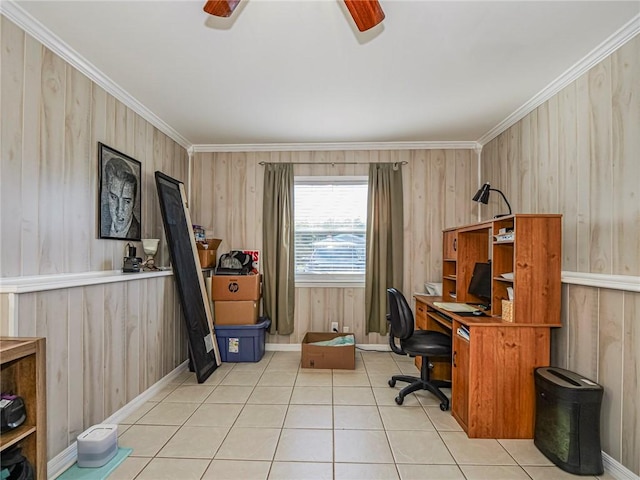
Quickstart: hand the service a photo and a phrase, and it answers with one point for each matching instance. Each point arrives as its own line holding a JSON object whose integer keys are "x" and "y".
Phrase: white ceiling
{"x": 298, "y": 71}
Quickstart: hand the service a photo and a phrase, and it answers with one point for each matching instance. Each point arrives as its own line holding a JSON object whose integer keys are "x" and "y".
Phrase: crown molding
{"x": 33, "y": 27}
{"x": 323, "y": 147}
{"x": 606, "y": 48}
{"x": 37, "y": 30}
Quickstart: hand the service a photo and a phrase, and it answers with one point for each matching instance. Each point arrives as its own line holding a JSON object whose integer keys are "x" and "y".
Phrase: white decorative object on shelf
{"x": 433, "y": 288}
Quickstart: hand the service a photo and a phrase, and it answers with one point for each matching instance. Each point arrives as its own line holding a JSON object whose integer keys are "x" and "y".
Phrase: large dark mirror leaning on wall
{"x": 203, "y": 347}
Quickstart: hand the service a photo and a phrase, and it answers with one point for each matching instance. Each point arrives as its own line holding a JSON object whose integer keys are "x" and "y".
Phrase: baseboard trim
{"x": 374, "y": 347}
{"x": 616, "y": 469}
{"x": 58, "y": 464}
{"x": 282, "y": 347}
{"x": 296, "y": 347}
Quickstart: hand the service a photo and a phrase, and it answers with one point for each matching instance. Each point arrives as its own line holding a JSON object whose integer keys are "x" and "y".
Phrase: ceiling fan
{"x": 366, "y": 13}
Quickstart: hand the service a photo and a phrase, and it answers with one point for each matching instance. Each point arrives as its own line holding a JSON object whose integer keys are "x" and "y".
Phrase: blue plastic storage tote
{"x": 242, "y": 343}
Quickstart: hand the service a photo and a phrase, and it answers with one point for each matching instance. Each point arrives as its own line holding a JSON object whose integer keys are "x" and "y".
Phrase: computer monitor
{"x": 480, "y": 284}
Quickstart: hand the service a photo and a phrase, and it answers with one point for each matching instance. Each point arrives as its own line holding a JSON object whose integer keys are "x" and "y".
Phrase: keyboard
{"x": 455, "y": 307}
{"x": 443, "y": 316}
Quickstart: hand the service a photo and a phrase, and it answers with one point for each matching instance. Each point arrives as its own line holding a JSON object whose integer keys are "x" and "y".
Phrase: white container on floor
{"x": 97, "y": 445}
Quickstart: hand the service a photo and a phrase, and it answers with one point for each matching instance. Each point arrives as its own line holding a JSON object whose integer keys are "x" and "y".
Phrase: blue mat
{"x": 101, "y": 473}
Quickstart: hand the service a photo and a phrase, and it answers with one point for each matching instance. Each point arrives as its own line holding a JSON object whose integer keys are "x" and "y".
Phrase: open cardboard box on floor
{"x": 319, "y": 356}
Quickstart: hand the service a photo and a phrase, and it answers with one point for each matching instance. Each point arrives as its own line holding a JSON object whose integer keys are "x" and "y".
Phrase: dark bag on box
{"x": 15, "y": 466}
{"x": 234, "y": 263}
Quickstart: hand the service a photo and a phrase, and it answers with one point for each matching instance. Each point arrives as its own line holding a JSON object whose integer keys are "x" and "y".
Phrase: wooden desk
{"x": 493, "y": 394}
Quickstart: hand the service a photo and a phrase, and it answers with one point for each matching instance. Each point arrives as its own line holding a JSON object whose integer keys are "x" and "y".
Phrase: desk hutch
{"x": 493, "y": 394}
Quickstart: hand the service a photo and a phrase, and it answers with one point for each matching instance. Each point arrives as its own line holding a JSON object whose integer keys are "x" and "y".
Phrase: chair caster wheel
{"x": 392, "y": 383}
{"x": 399, "y": 400}
{"x": 444, "y": 407}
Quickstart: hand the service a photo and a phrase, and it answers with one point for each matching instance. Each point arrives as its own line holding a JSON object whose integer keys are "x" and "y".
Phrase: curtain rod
{"x": 333, "y": 164}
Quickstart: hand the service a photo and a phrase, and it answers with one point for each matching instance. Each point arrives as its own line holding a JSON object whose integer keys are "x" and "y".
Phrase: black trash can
{"x": 567, "y": 428}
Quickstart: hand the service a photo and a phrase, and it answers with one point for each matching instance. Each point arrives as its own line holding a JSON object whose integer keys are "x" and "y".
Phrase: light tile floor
{"x": 273, "y": 420}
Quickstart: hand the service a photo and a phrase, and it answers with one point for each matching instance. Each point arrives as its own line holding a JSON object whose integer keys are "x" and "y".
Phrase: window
{"x": 330, "y": 229}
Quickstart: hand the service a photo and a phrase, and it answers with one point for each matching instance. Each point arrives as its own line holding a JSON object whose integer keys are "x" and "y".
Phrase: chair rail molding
{"x": 11, "y": 287}
{"x": 627, "y": 283}
{"x": 40, "y": 283}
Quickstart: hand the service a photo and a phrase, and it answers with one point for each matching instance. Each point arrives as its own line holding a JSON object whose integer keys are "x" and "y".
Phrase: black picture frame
{"x": 119, "y": 174}
{"x": 203, "y": 345}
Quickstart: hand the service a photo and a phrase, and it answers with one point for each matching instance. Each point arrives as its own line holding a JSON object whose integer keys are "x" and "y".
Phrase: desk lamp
{"x": 482, "y": 196}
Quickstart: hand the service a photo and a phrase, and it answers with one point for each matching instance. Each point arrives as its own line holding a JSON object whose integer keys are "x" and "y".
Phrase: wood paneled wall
{"x": 106, "y": 343}
{"x": 577, "y": 154}
{"x": 226, "y": 198}
{"x": 52, "y": 120}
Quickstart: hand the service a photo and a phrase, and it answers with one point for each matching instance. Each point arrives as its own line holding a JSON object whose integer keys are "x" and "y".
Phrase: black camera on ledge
{"x": 131, "y": 263}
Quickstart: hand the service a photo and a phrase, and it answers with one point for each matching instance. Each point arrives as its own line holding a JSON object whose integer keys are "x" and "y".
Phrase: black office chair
{"x": 415, "y": 343}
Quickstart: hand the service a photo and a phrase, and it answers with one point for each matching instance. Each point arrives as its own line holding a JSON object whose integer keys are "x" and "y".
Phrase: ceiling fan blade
{"x": 366, "y": 13}
{"x": 220, "y": 8}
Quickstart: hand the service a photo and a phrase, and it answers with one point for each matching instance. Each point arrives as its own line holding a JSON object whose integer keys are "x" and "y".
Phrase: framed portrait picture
{"x": 119, "y": 200}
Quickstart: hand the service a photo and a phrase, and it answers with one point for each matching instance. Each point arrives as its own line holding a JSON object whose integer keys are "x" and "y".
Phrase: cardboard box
{"x": 243, "y": 312}
{"x": 317, "y": 356}
{"x": 207, "y": 252}
{"x": 236, "y": 287}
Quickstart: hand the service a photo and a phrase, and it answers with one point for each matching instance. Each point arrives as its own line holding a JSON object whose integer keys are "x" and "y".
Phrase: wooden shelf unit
{"x": 24, "y": 373}
{"x": 533, "y": 256}
{"x": 449, "y": 260}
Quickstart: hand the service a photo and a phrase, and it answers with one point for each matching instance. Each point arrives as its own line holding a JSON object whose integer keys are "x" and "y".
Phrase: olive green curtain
{"x": 384, "y": 242}
{"x": 278, "y": 247}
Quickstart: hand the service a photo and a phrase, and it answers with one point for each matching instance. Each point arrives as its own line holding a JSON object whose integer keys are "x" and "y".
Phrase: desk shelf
{"x": 533, "y": 257}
